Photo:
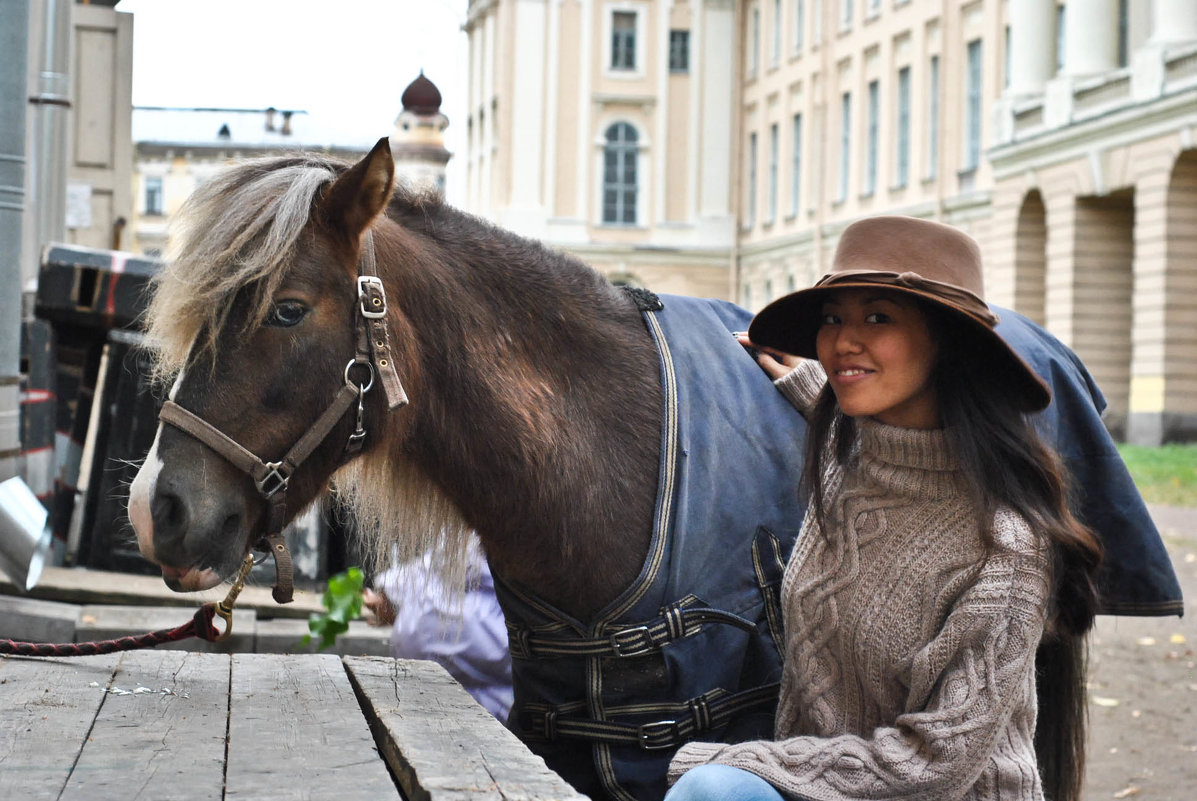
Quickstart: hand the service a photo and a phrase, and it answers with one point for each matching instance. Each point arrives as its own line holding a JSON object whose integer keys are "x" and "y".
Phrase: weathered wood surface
{"x": 83, "y": 585}
{"x": 34, "y": 620}
{"x": 441, "y": 745}
{"x": 165, "y": 739}
{"x": 187, "y": 726}
{"x": 47, "y": 707}
{"x": 296, "y": 732}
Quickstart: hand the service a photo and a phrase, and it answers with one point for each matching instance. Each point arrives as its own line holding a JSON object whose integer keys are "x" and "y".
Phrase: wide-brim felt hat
{"x": 936, "y": 263}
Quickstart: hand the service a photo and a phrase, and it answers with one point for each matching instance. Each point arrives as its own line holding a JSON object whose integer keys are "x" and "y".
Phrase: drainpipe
{"x": 14, "y": 28}
{"x": 50, "y": 106}
{"x": 739, "y": 23}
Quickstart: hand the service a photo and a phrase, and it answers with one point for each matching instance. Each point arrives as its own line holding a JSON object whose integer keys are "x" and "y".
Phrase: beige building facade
{"x": 176, "y": 149}
{"x": 1094, "y": 209}
{"x": 1059, "y": 134}
{"x": 605, "y": 127}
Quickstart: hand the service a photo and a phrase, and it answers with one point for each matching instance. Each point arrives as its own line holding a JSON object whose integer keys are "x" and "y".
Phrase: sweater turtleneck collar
{"x": 910, "y": 461}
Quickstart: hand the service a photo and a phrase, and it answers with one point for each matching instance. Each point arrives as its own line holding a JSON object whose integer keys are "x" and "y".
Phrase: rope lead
{"x": 200, "y": 626}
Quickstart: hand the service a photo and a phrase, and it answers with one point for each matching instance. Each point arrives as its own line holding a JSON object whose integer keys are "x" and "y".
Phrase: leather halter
{"x": 373, "y": 352}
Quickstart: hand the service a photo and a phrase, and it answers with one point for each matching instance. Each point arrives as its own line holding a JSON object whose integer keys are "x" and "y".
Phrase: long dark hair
{"x": 1006, "y": 464}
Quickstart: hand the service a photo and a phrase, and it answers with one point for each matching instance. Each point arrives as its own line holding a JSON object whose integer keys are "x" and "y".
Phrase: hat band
{"x": 949, "y": 294}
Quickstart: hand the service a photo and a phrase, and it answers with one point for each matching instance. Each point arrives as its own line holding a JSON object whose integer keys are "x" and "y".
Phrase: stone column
{"x": 1090, "y": 242}
{"x": 1173, "y": 21}
{"x": 524, "y": 210}
{"x": 1090, "y": 36}
{"x": 1163, "y": 396}
{"x": 1032, "y": 46}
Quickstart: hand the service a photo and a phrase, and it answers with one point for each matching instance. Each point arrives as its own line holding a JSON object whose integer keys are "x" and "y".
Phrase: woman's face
{"x": 879, "y": 354}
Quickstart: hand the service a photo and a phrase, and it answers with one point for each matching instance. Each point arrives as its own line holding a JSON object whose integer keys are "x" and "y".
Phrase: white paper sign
{"x": 78, "y": 206}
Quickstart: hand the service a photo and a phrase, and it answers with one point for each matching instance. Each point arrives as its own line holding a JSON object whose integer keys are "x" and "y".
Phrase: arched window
{"x": 619, "y": 175}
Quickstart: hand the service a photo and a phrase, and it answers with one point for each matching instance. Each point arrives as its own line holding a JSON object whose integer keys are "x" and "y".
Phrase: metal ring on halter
{"x": 368, "y": 366}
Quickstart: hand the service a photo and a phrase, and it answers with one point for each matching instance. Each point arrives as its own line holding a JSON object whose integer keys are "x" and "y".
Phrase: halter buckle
{"x": 273, "y": 481}
{"x": 377, "y": 299}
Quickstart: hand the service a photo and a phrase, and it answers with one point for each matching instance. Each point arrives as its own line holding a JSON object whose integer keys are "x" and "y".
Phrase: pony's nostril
{"x": 170, "y": 512}
{"x": 231, "y": 527}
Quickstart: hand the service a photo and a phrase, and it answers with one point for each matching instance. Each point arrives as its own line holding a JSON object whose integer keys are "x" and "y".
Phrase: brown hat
{"x": 927, "y": 259}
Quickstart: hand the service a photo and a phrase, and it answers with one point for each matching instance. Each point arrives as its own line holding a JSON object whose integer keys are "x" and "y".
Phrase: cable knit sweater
{"x": 910, "y": 656}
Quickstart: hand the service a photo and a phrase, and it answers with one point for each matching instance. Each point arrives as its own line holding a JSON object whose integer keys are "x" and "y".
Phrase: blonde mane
{"x": 239, "y": 229}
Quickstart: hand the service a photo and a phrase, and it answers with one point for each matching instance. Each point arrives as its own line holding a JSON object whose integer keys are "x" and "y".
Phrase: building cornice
{"x": 1115, "y": 128}
{"x": 477, "y": 9}
{"x": 621, "y": 99}
{"x": 647, "y": 254}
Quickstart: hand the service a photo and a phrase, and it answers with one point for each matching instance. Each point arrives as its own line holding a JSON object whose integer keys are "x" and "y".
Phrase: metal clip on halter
{"x": 224, "y": 609}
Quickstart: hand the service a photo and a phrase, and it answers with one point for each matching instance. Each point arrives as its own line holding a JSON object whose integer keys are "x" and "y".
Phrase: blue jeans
{"x": 722, "y": 783}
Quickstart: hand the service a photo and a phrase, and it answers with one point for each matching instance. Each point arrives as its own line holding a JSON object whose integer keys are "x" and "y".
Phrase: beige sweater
{"x": 909, "y": 664}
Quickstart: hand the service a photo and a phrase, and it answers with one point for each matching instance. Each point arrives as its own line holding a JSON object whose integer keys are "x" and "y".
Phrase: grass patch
{"x": 1166, "y": 475}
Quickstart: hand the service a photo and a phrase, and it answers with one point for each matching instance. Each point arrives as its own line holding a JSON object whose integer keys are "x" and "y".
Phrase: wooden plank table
{"x": 188, "y": 726}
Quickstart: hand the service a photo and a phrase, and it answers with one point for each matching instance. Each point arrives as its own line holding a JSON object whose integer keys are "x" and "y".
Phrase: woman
{"x": 938, "y": 558}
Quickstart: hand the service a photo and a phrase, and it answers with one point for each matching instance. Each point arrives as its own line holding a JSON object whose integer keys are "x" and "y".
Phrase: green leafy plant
{"x": 343, "y": 602}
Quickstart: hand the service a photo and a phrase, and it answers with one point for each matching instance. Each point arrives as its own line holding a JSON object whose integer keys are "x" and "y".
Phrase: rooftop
{"x": 272, "y": 129}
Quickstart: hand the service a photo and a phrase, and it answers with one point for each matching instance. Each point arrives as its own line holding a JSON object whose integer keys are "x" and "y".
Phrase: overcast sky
{"x": 346, "y": 61}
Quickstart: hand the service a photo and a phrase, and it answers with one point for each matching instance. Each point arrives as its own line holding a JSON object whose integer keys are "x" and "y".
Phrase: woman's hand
{"x": 377, "y": 608}
{"x": 773, "y": 362}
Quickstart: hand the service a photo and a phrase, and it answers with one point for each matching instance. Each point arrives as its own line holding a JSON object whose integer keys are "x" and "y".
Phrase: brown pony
{"x": 538, "y": 402}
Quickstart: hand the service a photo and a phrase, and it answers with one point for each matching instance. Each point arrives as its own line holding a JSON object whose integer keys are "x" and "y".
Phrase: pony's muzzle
{"x": 194, "y": 532}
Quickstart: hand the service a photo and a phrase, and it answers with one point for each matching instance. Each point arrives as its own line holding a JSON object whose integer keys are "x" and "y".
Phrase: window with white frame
{"x": 872, "y": 138}
{"x": 874, "y": 7}
{"x": 620, "y": 182}
{"x": 933, "y": 117}
{"x": 750, "y": 215}
{"x": 972, "y": 107}
{"x": 774, "y": 157}
{"x": 153, "y": 195}
{"x": 902, "y": 155}
{"x": 845, "y": 143}
{"x": 623, "y": 40}
{"x": 846, "y": 13}
{"x": 1123, "y": 32}
{"x": 796, "y": 164}
{"x": 1061, "y": 21}
{"x": 679, "y": 51}
{"x": 1006, "y": 59}
{"x": 754, "y": 42}
{"x": 775, "y": 56}
{"x": 799, "y": 23}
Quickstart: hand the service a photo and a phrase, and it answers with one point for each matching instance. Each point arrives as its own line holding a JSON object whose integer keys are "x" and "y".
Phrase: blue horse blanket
{"x": 691, "y": 650}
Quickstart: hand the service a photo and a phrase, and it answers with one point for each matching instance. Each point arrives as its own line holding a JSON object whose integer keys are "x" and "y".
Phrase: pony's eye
{"x": 286, "y": 314}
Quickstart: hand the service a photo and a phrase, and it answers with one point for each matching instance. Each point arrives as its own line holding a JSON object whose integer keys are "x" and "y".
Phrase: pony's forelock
{"x": 238, "y": 229}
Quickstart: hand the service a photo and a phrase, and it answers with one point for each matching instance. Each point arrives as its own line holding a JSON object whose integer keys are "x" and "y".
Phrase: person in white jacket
{"x": 466, "y": 635}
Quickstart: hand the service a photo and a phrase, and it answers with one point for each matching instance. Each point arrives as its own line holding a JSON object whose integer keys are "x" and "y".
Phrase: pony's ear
{"x": 362, "y": 192}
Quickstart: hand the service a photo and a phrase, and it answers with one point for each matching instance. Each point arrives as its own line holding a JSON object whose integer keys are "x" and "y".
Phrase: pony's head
{"x": 254, "y": 319}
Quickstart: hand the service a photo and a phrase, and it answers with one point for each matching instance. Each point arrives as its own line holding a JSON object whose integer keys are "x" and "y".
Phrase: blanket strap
{"x": 676, "y": 621}
{"x": 691, "y": 719}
